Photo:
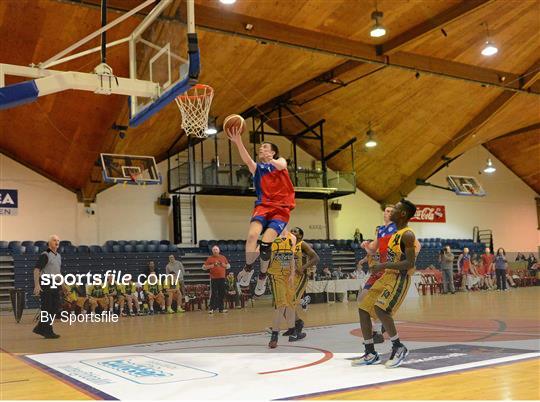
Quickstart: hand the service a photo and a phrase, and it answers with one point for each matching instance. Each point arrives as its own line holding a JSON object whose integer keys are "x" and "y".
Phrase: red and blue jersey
{"x": 273, "y": 187}
{"x": 384, "y": 233}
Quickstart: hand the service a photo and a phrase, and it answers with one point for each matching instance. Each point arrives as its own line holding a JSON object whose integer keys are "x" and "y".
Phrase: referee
{"x": 50, "y": 263}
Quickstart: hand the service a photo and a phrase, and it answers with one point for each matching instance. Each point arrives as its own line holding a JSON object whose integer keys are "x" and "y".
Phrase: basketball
{"x": 233, "y": 121}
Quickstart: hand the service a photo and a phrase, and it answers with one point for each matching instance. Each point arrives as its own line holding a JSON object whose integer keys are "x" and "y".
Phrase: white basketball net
{"x": 194, "y": 106}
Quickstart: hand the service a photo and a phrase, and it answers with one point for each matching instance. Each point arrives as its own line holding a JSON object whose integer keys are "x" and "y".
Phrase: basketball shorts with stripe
{"x": 387, "y": 293}
{"x": 300, "y": 284}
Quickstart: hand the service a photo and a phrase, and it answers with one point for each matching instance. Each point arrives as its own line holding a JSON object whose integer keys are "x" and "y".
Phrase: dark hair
{"x": 299, "y": 230}
{"x": 274, "y": 148}
{"x": 410, "y": 208}
{"x": 499, "y": 249}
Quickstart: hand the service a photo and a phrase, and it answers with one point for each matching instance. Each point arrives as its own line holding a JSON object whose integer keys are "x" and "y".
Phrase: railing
{"x": 225, "y": 175}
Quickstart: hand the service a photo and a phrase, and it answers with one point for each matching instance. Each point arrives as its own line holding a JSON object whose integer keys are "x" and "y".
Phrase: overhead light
{"x": 370, "y": 143}
{"x": 212, "y": 129}
{"x": 227, "y": 1}
{"x": 489, "y": 167}
{"x": 378, "y": 30}
{"x": 489, "y": 48}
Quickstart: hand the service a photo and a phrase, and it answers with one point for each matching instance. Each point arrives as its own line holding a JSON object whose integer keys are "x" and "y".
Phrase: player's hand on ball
{"x": 234, "y": 133}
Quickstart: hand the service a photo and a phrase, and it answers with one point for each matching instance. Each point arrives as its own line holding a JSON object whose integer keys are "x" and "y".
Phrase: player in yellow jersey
{"x": 154, "y": 293}
{"x": 75, "y": 295}
{"x": 282, "y": 274}
{"x": 116, "y": 295}
{"x": 306, "y": 258}
{"x": 97, "y": 295}
{"x": 132, "y": 298}
{"x": 387, "y": 293}
{"x": 171, "y": 289}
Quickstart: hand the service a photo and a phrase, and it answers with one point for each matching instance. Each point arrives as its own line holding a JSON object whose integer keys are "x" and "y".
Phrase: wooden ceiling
{"x": 458, "y": 100}
{"x": 516, "y": 150}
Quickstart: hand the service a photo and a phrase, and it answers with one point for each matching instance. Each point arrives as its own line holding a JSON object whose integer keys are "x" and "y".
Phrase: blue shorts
{"x": 271, "y": 217}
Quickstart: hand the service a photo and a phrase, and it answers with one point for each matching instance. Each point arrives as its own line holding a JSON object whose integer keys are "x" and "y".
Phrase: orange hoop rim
{"x": 197, "y": 86}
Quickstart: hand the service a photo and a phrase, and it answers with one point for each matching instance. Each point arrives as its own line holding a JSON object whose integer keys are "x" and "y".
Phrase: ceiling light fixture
{"x": 489, "y": 48}
{"x": 212, "y": 129}
{"x": 227, "y": 1}
{"x": 370, "y": 143}
{"x": 489, "y": 167}
{"x": 378, "y": 30}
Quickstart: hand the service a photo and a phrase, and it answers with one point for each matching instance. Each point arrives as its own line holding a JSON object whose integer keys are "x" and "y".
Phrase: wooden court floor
{"x": 495, "y": 315}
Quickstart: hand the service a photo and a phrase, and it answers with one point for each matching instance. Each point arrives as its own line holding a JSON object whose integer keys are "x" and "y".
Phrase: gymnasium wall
{"x": 44, "y": 206}
{"x": 220, "y": 217}
{"x": 508, "y": 209}
{"x": 131, "y": 212}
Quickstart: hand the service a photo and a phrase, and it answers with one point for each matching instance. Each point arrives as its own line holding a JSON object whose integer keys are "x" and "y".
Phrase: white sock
{"x": 393, "y": 338}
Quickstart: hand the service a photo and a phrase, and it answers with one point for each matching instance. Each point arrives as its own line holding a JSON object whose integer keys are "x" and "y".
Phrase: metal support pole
{"x": 325, "y": 176}
{"x": 230, "y": 164}
{"x": 104, "y": 33}
{"x": 194, "y": 219}
{"x": 295, "y": 163}
{"x": 326, "y": 218}
{"x": 216, "y": 159}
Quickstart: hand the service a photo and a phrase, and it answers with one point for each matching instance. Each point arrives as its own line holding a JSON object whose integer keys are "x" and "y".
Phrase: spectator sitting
{"x": 357, "y": 236}
{"x": 326, "y": 274}
{"x": 337, "y": 274}
{"x": 531, "y": 261}
{"x": 232, "y": 290}
{"x": 151, "y": 269}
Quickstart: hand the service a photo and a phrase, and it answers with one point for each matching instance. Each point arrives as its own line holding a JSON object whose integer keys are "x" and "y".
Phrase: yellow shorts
{"x": 300, "y": 284}
{"x": 387, "y": 293}
{"x": 282, "y": 291}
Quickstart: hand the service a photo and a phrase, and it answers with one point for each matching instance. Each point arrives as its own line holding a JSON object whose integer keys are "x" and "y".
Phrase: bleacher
{"x": 133, "y": 256}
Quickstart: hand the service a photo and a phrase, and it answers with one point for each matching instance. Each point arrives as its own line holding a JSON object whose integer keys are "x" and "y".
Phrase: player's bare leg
{"x": 254, "y": 231}
{"x": 399, "y": 351}
{"x": 265, "y": 252}
{"x": 370, "y": 355}
{"x": 376, "y": 324}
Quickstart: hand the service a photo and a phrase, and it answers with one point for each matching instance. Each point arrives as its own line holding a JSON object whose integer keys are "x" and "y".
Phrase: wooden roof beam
{"x": 438, "y": 159}
{"x": 424, "y": 28}
{"x": 280, "y": 34}
{"x": 226, "y": 22}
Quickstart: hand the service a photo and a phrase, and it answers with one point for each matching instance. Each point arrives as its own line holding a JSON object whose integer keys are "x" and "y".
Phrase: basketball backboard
{"x": 130, "y": 169}
{"x": 466, "y": 185}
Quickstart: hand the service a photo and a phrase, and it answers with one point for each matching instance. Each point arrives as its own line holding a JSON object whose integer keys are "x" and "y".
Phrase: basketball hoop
{"x": 194, "y": 105}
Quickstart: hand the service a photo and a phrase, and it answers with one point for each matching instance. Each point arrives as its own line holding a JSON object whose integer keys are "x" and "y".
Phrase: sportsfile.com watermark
{"x": 110, "y": 285}
{"x": 55, "y": 281}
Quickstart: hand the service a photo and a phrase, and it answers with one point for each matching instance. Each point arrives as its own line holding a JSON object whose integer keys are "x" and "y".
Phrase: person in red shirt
{"x": 275, "y": 201}
{"x": 217, "y": 265}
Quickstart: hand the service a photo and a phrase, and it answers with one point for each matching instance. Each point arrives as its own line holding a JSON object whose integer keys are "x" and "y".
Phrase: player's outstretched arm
{"x": 235, "y": 135}
{"x": 312, "y": 257}
{"x": 279, "y": 163}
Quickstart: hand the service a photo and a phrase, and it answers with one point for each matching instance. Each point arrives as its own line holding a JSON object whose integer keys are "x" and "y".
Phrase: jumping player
{"x": 380, "y": 246}
{"x": 275, "y": 200}
{"x": 388, "y": 292}
{"x": 282, "y": 278}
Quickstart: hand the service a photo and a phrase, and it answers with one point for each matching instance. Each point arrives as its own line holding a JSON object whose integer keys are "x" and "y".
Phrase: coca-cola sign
{"x": 430, "y": 214}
